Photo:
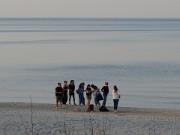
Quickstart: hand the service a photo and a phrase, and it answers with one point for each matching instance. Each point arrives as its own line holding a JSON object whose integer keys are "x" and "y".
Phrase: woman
{"x": 88, "y": 96}
{"x": 65, "y": 96}
{"x": 116, "y": 97}
{"x": 81, "y": 94}
{"x": 97, "y": 95}
{"x": 71, "y": 91}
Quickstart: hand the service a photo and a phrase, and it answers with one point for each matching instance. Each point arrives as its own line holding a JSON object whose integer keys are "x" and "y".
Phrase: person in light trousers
{"x": 116, "y": 97}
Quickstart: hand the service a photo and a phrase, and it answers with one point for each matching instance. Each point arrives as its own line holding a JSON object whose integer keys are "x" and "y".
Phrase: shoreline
{"x": 128, "y": 111}
{"x": 18, "y": 118}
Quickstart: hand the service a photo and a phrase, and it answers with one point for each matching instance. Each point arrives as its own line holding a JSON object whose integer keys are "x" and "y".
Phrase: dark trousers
{"x": 116, "y": 101}
{"x": 71, "y": 94}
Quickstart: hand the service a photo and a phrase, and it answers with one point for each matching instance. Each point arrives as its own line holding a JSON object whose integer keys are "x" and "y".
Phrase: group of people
{"x": 61, "y": 93}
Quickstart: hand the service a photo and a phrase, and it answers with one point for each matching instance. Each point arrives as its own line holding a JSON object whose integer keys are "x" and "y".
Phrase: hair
{"x": 65, "y": 81}
{"x": 59, "y": 83}
{"x": 95, "y": 87}
{"x": 88, "y": 86}
{"x": 71, "y": 81}
{"x": 80, "y": 85}
{"x": 106, "y": 83}
{"x": 115, "y": 88}
{"x": 92, "y": 85}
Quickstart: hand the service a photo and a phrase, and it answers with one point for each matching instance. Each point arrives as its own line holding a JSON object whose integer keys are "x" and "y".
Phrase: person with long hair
{"x": 116, "y": 97}
{"x": 81, "y": 94}
{"x": 88, "y": 96}
{"x": 65, "y": 93}
{"x": 97, "y": 95}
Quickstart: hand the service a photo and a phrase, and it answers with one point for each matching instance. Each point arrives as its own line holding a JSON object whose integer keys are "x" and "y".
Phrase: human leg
{"x": 116, "y": 103}
{"x": 70, "y": 98}
{"x": 105, "y": 98}
{"x": 56, "y": 103}
{"x": 74, "y": 99}
{"x": 83, "y": 99}
{"x": 95, "y": 100}
{"x": 79, "y": 98}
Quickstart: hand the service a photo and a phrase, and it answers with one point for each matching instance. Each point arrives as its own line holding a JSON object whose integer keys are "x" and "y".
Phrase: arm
{"x": 118, "y": 94}
{"x": 69, "y": 88}
{"x": 102, "y": 89}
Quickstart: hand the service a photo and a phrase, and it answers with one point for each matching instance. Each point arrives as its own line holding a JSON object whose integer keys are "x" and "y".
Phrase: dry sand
{"x": 15, "y": 119}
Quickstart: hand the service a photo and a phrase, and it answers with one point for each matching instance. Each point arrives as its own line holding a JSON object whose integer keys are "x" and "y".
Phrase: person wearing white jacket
{"x": 116, "y": 97}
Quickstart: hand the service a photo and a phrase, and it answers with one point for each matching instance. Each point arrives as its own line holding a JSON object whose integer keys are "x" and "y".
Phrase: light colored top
{"x": 116, "y": 95}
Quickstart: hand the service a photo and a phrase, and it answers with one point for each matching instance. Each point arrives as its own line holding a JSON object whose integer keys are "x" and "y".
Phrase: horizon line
{"x": 89, "y": 17}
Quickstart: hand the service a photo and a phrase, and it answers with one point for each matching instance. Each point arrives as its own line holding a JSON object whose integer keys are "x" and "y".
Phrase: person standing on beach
{"x": 65, "y": 95}
{"x": 71, "y": 91}
{"x": 105, "y": 91}
{"x": 97, "y": 95}
{"x": 58, "y": 93}
{"x": 116, "y": 97}
{"x": 88, "y": 96}
{"x": 81, "y": 94}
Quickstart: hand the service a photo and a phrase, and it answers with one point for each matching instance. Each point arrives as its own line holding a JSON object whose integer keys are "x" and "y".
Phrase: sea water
{"x": 140, "y": 56}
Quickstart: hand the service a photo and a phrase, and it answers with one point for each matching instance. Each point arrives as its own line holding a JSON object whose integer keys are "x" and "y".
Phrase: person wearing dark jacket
{"x": 71, "y": 91}
{"x": 64, "y": 93}
{"x": 105, "y": 90}
{"x": 58, "y": 94}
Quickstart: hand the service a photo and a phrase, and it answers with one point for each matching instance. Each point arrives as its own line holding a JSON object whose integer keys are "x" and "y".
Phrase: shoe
{"x": 69, "y": 103}
{"x": 115, "y": 111}
{"x": 74, "y": 103}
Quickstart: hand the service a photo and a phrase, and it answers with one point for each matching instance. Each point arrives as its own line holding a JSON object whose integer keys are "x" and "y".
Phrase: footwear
{"x": 74, "y": 103}
{"x": 69, "y": 103}
{"x": 115, "y": 111}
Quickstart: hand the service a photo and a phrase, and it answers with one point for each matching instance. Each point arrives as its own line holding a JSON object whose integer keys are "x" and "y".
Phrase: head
{"x": 72, "y": 82}
{"x": 95, "y": 87}
{"x": 81, "y": 85}
{"x": 65, "y": 82}
{"x": 92, "y": 86}
{"x": 88, "y": 86}
{"x": 106, "y": 83}
{"x": 59, "y": 84}
{"x": 115, "y": 88}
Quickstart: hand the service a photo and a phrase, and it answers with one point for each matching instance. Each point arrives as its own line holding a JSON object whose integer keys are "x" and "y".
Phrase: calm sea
{"x": 140, "y": 56}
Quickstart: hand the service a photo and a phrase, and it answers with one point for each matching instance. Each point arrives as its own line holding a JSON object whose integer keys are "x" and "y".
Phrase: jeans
{"x": 115, "y": 103}
{"x": 105, "y": 99}
{"x": 95, "y": 100}
{"x": 81, "y": 99}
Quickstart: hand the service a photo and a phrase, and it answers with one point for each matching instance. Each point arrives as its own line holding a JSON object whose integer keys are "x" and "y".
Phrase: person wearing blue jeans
{"x": 96, "y": 91}
{"x": 116, "y": 101}
{"x": 81, "y": 94}
{"x": 116, "y": 97}
{"x": 105, "y": 90}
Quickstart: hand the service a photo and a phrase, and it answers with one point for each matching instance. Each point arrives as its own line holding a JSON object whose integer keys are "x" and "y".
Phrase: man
{"x": 105, "y": 91}
{"x": 58, "y": 94}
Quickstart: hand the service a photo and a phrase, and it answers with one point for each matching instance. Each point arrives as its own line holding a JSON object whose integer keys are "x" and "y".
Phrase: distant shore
{"x": 17, "y": 118}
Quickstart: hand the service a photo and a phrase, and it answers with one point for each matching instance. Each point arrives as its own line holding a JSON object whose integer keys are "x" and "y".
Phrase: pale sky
{"x": 90, "y": 8}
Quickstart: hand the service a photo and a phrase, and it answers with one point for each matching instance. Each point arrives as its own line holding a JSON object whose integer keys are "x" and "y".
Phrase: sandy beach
{"x": 18, "y": 118}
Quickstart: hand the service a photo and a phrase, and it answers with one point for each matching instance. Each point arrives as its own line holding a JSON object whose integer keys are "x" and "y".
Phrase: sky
{"x": 90, "y": 8}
